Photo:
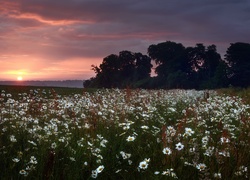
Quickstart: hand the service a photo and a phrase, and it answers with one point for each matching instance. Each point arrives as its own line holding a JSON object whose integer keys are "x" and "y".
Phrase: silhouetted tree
{"x": 121, "y": 70}
{"x": 220, "y": 78}
{"x": 238, "y": 59}
{"x": 170, "y": 61}
{"x": 176, "y": 67}
{"x": 204, "y": 63}
{"x": 214, "y": 69}
{"x": 127, "y": 70}
{"x": 143, "y": 66}
{"x": 166, "y": 56}
{"x": 107, "y": 74}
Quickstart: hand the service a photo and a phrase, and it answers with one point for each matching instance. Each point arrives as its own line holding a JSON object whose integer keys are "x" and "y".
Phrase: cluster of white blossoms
{"x": 121, "y": 127}
{"x": 97, "y": 171}
{"x": 168, "y": 172}
{"x": 242, "y": 171}
{"x": 188, "y": 132}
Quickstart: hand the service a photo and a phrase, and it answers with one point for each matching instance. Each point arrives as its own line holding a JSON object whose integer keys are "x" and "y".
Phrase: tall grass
{"x": 124, "y": 134}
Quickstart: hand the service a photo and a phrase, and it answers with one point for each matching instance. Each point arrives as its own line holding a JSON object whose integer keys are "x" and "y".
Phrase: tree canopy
{"x": 176, "y": 66}
{"x": 123, "y": 70}
{"x": 238, "y": 59}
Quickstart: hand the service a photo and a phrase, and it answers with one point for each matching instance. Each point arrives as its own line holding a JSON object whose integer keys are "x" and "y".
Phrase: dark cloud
{"x": 62, "y": 29}
{"x": 189, "y": 18}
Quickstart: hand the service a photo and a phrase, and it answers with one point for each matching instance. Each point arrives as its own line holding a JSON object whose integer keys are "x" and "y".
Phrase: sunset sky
{"x": 61, "y": 39}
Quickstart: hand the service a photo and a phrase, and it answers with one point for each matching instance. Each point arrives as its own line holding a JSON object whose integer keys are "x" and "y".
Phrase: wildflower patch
{"x": 114, "y": 134}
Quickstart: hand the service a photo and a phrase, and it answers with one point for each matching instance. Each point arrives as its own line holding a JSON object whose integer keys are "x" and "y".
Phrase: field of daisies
{"x": 124, "y": 134}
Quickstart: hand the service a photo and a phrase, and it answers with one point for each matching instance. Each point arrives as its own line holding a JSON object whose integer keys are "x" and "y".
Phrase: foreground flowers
{"x": 201, "y": 166}
{"x": 144, "y": 164}
{"x": 167, "y": 151}
{"x": 179, "y": 146}
{"x": 130, "y": 138}
{"x": 108, "y": 133}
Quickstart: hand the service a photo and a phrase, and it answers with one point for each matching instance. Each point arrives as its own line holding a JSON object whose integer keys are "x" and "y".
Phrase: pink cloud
{"x": 59, "y": 36}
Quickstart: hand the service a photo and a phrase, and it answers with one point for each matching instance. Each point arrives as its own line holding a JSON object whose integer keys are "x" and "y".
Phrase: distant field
{"x": 62, "y": 83}
{"x": 71, "y": 133}
{"x": 15, "y": 90}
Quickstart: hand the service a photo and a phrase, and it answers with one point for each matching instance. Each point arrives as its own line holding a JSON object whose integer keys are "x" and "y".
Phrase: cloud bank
{"x": 62, "y": 38}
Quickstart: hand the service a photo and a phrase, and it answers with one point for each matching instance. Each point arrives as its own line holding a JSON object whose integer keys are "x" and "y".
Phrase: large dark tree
{"x": 212, "y": 60}
{"x": 195, "y": 57}
{"x": 171, "y": 64}
{"x": 121, "y": 70}
{"x": 166, "y": 55}
{"x": 191, "y": 67}
{"x": 197, "y": 67}
{"x": 127, "y": 69}
{"x": 238, "y": 58}
{"x": 214, "y": 69}
{"x": 107, "y": 74}
{"x": 205, "y": 64}
{"x": 143, "y": 66}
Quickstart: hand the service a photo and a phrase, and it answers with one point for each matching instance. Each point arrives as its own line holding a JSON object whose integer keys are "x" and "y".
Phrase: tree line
{"x": 176, "y": 66}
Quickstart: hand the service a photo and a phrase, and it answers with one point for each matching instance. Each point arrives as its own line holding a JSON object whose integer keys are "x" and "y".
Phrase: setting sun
{"x": 19, "y": 78}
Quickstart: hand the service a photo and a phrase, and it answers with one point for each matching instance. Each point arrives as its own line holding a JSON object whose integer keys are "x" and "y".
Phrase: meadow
{"x": 62, "y": 133}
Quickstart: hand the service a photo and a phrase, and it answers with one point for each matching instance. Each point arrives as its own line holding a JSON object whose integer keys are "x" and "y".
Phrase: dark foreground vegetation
{"x": 176, "y": 66}
{"x": 64, "y": 133}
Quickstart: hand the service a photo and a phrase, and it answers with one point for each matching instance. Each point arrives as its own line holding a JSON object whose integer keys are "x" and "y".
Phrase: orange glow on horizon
{"x": 39, "y": 69}
{"x": 13, "y": 75}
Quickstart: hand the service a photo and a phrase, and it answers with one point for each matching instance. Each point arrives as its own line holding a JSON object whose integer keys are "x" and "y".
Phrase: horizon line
{"x": 42, "y": 80}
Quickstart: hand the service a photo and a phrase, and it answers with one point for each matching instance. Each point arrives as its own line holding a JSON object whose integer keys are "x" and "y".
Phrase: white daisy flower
{"x": 143, "y": 165}
{"x": 130, "y": 138}
{"x": 179, "y": 146}
{"x": 100, "y": 169}
{"x": 201, "y": 166}
{"x": 167, "y": 151}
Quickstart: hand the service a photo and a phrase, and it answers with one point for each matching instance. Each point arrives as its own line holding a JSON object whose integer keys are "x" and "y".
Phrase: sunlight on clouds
{"x": 46, "y": 21}
{"x": 14, "y": 74}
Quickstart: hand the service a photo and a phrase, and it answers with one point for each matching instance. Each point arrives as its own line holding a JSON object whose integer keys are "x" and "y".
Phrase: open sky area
{"x": 61, "y": 39}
